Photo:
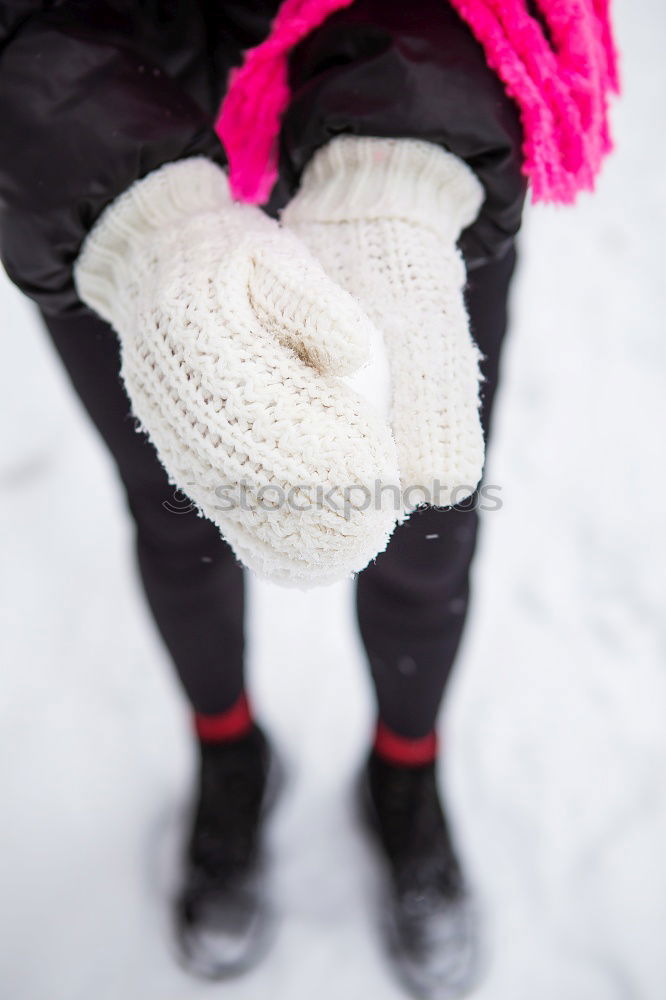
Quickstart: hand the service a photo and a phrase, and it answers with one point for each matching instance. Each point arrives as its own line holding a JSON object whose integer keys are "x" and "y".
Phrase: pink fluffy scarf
{"x": 561, "y": 87}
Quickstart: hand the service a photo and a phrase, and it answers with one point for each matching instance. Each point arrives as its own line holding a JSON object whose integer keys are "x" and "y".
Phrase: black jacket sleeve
{"x": 409, "y": 70}
{"x": 86, "y": 108}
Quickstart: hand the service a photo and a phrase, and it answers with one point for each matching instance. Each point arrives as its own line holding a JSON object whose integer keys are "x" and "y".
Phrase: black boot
{"x": 223, "y": 918}
{"x": 428, "y": 918}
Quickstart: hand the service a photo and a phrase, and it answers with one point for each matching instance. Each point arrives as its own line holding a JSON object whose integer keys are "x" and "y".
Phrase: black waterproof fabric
{"x": 410, "y": 70}
{"x": 94, "y": 94}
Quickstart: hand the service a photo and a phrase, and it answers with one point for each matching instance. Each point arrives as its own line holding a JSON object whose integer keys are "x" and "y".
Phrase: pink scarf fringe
{"x": 562, "y": 89}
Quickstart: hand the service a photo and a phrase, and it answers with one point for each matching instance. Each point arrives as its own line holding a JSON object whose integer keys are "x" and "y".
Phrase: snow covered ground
{"x": 555, "y": 730}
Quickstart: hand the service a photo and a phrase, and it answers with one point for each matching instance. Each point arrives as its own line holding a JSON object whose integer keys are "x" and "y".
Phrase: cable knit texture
{"x": 233, "y": 340}
{"x": 383, "y": 217}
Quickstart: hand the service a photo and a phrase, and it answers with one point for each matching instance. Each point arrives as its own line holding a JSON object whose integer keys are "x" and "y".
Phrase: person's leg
{"x": 412, "y": 601}
{"x": 193, "y": 584}
{"x": 194, "y": 588}
{"x": 412, "y": 604}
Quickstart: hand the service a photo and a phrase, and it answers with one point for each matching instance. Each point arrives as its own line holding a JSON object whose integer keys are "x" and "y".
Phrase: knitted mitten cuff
{"x": 174, "y": 192}
{"x": 357, "y": 178}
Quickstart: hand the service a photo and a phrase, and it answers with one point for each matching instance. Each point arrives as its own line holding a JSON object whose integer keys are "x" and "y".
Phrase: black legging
{"x": 411, "y": 601}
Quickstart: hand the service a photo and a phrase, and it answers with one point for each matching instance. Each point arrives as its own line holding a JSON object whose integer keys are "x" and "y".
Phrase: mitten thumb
{"x": 292, "y": 296}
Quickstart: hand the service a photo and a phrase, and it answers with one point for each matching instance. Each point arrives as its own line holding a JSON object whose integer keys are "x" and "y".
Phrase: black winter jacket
{"x": 94, "y": 94}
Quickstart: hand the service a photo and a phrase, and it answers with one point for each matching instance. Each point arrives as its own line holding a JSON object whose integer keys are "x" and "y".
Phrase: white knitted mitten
{"x": 383, "y": 217}
{"x": 232, "y": 342}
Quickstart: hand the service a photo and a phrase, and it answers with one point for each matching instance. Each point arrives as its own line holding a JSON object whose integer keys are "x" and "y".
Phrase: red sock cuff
{"x": 403, "y": 751}
{"x": 225, "y": 726}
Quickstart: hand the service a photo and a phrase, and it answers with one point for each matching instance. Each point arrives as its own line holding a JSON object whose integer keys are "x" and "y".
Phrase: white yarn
{"x": 383, "y": 217}
{"x": 233, "y": 340}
